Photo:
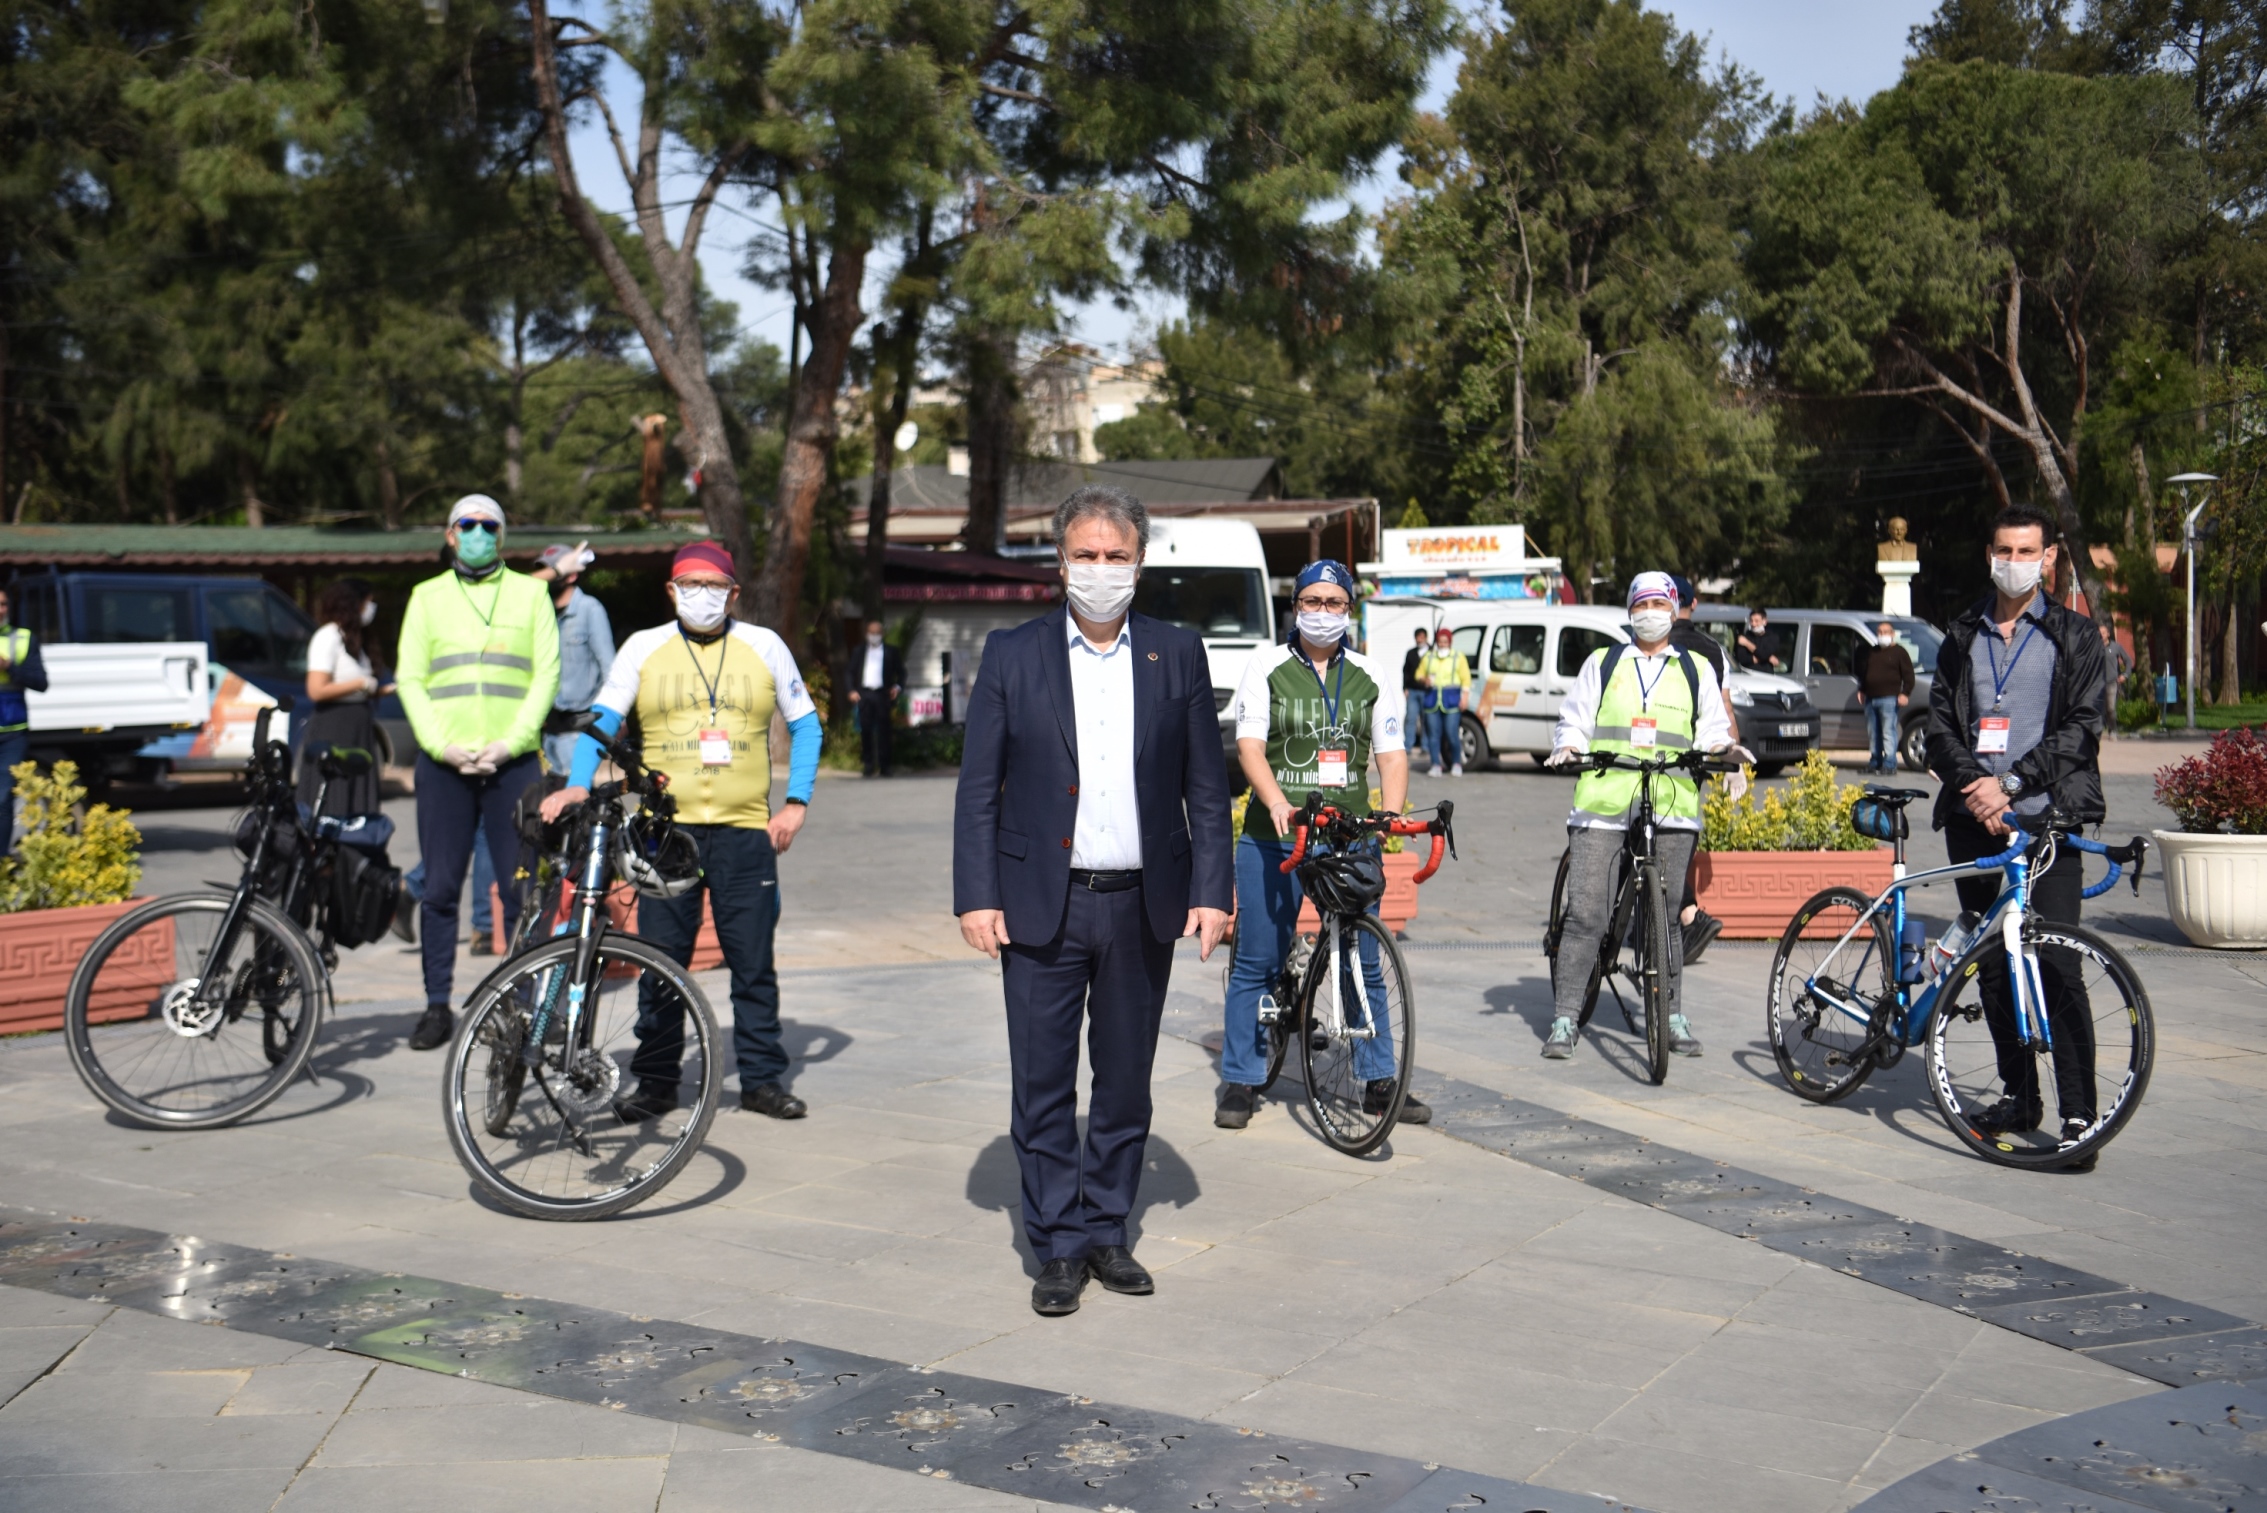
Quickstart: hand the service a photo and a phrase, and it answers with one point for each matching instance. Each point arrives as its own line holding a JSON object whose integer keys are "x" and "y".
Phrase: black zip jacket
{"x": 2065, "y": 762}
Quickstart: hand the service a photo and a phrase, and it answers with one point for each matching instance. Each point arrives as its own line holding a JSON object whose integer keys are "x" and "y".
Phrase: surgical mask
{"x": 1100, "y": 590}
{"x": 1323, "y": 627}
{"x": 1885, "y": 641}
{"x": 873, "y": 640}
{"x": 2016, "y": 579}
{"x": 476, "y": 549}
{"x": 369, "y": 610}
{"x": 1652, "y": 624}
{"x": 702, "y": 606}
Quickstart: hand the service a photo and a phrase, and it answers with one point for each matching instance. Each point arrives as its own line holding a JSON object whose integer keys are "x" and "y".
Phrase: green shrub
{"x": 66, "y": 857}
{"x": 1812, "y": 813}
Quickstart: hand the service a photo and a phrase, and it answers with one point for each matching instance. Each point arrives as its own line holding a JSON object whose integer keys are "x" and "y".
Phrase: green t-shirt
{"x": 1320, "y": 731}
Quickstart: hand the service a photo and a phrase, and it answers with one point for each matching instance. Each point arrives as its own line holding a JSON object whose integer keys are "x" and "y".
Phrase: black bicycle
{"x": 198, "y": 1009}
{"x": 554, "y": 1103}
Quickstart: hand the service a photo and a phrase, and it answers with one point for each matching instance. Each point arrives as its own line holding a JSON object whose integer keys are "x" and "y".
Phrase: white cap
{"x": 564, "y": 560}
{"x": 477, "y": 507}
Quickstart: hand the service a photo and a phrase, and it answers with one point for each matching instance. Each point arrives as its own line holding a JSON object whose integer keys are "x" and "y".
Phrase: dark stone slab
{"x": 1936, "y": 1265}
{"x": 2199, "y": 1450}
{"x": 1651, "y": 1174}
{"x": 1448, "y": 1491}
{"x": 767, "y": 1388}
{"x": 2115, "y": 1318}
{"x": 1760, "y": 1206}
{"x": 486, "y": 1336}
{"x": 925, "y": 1421}
{"x": 1965, "y": 1484}
{"x": 2237, "y": 1355}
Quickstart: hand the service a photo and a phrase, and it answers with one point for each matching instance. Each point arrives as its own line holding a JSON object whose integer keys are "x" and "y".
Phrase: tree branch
{"x": 613, "y": 132}
{"x": 726, "y": 162}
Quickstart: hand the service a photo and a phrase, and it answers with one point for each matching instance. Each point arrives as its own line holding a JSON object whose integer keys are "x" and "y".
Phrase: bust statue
{"x": 1897, "y": 548}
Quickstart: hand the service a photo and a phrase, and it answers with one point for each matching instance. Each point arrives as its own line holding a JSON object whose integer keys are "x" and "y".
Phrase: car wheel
{"x": 1913, "y": 745}
{"x": 1472, "y": 745}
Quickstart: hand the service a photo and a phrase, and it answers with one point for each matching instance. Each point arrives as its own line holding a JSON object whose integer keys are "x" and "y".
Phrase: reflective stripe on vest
{"x": 1611, "y": 795}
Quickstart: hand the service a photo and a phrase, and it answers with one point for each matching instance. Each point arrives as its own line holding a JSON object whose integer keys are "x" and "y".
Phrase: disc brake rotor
{"x": 187, "y": 1015}
{"x": 590, "y": 1082}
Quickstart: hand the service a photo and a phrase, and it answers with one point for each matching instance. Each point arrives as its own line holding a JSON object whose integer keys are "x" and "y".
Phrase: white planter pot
{"x": 2216, "y": 886}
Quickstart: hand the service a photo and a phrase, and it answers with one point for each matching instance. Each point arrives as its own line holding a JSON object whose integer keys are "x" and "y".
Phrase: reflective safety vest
{"x": 15, "y": 713}
{"x": 1667, "y": 699}
{"x": 479, "y": 661}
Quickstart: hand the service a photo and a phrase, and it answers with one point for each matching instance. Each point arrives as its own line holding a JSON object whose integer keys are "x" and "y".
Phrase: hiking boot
{"x": 1560, "y": 1043}
{"x": 1681, "y": 1038}
{"x": 1238, "y": 1102}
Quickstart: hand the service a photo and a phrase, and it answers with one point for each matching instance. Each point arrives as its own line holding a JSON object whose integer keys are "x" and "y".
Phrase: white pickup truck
{"x": 106, "y": 700}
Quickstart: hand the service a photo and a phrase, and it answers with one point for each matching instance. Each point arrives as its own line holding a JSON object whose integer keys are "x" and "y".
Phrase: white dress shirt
{"x": 1107, "y": 837}
{"x": 873, "y": 677}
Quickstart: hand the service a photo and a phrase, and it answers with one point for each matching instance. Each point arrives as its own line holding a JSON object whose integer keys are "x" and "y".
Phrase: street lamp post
{"x": 2181, "y": 481}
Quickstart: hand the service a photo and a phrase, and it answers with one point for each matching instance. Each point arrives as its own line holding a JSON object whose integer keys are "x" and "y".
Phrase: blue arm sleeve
{"x": 804, "y": 738}
{"x": 588, "y": 752}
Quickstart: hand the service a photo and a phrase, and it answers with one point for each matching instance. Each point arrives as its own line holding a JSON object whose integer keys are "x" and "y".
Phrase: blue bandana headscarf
{"x": 1324, "y": 571}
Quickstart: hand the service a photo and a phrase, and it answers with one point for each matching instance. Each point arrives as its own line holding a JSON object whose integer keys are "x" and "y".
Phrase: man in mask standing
{"x": 881, "y": 678}
{"x": 479, "y": 668}
{"x": 586, "y": 648}
{"x": 1090, "y": 831}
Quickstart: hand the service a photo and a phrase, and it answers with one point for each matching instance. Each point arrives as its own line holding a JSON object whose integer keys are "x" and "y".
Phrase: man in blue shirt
{"x": 586, "y": 648}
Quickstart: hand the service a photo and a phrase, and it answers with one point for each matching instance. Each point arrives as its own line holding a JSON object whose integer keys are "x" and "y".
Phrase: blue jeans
{"x": 740, "y": 875}
{"x": 1882, "y": 732}
{"x": 483, "y": 908}
{"x": 1267, "y": 911}
{"x": 1443, "y": 735}
{"x": 559, "y": 752}
{"x": 1413, "y": 723}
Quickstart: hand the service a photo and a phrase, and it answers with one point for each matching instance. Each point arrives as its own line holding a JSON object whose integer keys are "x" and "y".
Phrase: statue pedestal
{"x": 1897, "y": 586}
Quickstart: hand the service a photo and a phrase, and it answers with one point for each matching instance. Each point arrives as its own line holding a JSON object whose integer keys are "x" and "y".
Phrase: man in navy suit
{"x": 1090, "y": 832}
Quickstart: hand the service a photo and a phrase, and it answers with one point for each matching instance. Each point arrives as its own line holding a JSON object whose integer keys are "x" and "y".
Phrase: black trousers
{"x": 874, "y": 733}
{"x": 2055, "y": 896}
{"x": 740, "y": 876}
{"x": 451, "y": 810}
{"x": 1105, "y": 972}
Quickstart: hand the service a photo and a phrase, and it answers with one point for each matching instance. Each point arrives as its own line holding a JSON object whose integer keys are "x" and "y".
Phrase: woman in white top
{"x": 341, "y": 685}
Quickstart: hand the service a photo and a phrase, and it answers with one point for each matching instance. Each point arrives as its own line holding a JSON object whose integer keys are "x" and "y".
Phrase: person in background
{"x": 342, "y": 685}
{"x": 21, "y": 672}
{"x": 479, "y": 669}
{"x": 1698, "y": 926}
{"x": 704, "y": 687}
{"x": 1412, "y": 696}
{"x": 1447, "y": 677}
{"x": 1757, "y": 648}
{"x": 1885, "y": 682}
{"x": 586, "y": 648}
{"x": 881, "y": 678}
{"x": 2120, "y": 668}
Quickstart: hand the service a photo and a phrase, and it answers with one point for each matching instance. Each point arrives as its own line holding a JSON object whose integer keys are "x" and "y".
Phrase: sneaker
{"x": 1414, "y": 1110}
{"x": 483, "y": 944}
{"x": 1703, "y": 930}
{"x": 1436, "y": 772}
{"x": 646, "y": 1104}
{"x": 1238, "y": 1102}
{"x": 772, "y": 1099}
{"x": 434, "y": 1029}
{"x": 2073, "y": 1131}
{"x": 405, "y": 917}
{"x": 1560, "y": 1044}
{"x": 1457, "y": 771}
{"x": 1681, "y": 1038}
{"x": 2006, "y": 1117}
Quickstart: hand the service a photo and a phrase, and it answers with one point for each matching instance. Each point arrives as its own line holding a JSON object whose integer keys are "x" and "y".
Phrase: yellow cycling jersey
{"x": 704, "y": 714}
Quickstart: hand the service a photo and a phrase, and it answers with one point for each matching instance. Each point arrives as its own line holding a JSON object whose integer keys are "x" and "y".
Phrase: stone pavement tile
{"x": 134, "y": 1343}
{"x": 1899, "y": 1456}
{"x": 322, "y": 1386}
{"x": 1724, "y": 1423}
{"x": 171, "y": 1393}
{"x": 1319, "y": 1298}
{"x": 717, "y": 1474}
{"x": 1963, "y": 1418}
{"x": 1504, "y": 1442}
{"x": 2024, "y": 1373}
{"x": 28, "y": 1352}
{"x": 40, "y": 1437}
{"x": 971, "y": 1286}
{"x": 392, "y": 1386}
{"x": 1586, "y": 1336}
{"x": 29, "y": 1308}
{"x": 169, "y": 1490}
{"x": 1060, "y": 1356}
{"x": 564, "y": 1485}
{"x": 532, "y": 1428}
{"x": 838, "y": 1326}
{"x": 1160, "y": 1327}
{"x": 1683, "y": 1481}
{"x": 1826, "y": 1304}
{"x": 1626, "y": 1236}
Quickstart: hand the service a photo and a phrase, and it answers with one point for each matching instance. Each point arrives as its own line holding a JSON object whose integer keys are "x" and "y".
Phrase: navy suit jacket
{"x": 1018, "y": 799}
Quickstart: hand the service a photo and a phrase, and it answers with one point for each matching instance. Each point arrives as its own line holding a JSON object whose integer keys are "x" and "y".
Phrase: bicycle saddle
{"x": 1898, "y": 797}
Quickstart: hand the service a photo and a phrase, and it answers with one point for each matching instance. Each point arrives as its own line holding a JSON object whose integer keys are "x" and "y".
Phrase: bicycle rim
{"x": 541, "y": 1134}
{"x": 170, "y": 1033}
{"x": 1820, "y": 1049}
{"x": 1653, "y": 968}
{"x": 1965, "y": 1075}
{"x": 1557, "y": 924}
{"x": 1356, "y": 1064}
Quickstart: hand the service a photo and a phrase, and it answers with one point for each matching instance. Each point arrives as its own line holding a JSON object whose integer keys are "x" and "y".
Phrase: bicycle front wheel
{"x": 1652, "y": 972}
{"x": 2105, "y": 1043}
{"x": 1358, "y": 1034}
{"x": 541, "y": 1112}
{"x": 1821, "y": 1048}
{"x": 173, "y": 1027}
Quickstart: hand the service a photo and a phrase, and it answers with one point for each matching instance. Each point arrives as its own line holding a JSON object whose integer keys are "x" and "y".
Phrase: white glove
{"x": 1562, "y": 757}
{"x": 1730, "y": 755}
{"x": 492, "y": 756}
{"x": 459, "y": 758}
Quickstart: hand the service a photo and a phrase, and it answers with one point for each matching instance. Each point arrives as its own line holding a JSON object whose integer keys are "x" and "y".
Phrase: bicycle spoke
{"x": 1827, "y": 993}
{"x": 1358, "y": 1045}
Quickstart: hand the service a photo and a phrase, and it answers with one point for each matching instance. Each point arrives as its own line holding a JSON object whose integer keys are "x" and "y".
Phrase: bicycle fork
{"x": 1336, "y": 1026}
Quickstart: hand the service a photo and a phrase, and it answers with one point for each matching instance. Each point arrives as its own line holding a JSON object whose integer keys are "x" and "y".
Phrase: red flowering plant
{"x": 2224, "y": 789}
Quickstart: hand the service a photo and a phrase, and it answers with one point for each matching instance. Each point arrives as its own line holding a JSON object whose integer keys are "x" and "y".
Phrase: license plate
{"x": 1794, "y": 730}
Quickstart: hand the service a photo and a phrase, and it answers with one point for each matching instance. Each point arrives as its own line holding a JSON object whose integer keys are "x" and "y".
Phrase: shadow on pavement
{"x": 996, "y": 1185}
{"x": 805, "y": 1044}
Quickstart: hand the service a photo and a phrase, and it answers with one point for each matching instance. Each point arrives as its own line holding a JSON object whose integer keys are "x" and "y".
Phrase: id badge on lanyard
{"x": 716, "y": 748}
{"x": 1330, "y": 769}
{"x": 1991, "y": 735}
{"x": 1643, "y": 730}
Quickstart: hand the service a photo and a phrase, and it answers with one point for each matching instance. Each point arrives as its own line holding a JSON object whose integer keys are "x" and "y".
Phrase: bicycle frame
{"x": 1341, "y": 831}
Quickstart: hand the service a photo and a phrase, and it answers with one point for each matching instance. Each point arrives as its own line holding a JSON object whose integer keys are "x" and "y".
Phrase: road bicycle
{"x": 1856, "y": 983}
{"x": 1635, "y": 948}
{"x": 198, "y": 1009}
{"x": 1351, "y": 1011}
{"x": 554, "y": 1102}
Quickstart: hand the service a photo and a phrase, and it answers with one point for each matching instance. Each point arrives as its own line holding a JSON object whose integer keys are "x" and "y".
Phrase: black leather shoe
{"x": 434, "y": 1030}
{"x": 646, "y": 1104}
{"x": 481, "y": 944}
{"x": 1115, "y": 1268}
{"x": 405, "y": 917}
{"x": 770, "y": 1098}
{"x": 1414, "y": 1110}
{"x": 2006, "y": 1117}
{"x": 1238, "y": 1101}
{"x": 1056, "y": 1292}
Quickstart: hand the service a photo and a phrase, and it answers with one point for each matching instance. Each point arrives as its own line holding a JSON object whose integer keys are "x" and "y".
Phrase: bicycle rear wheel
{"x": 172, "y": 1032}
{"x": 1652, "y": 968}
{"x": 1278, "y": 1036}
{"x": 1966, "y": 1073}
{"x": 1356, "y": 1050}
{"x": 542, "y": 1132}
{"x": 1821, "y": 1050}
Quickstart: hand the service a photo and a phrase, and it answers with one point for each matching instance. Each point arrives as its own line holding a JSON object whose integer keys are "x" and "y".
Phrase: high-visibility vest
{"x": 15, "y": 713}
{"x": 479, "y": 661}
{"x": 1626, "y": 698}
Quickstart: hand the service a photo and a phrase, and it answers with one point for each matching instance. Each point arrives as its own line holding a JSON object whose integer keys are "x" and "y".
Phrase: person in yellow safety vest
{"x": 1444, "y": 681}
{"x": 20, "y": 670}
{"x": 1644, "y": 700}
{"x": 478, "y": 669}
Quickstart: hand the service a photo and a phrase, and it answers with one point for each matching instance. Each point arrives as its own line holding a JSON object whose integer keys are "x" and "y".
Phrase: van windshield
{"x": 135, "y": 613}
{"x": 1212, "y": 601}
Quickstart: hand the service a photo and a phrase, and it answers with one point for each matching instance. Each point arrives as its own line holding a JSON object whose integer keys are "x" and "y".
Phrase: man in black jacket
{"x": 2015, "y": 723}
{"x": 881, "y": 678}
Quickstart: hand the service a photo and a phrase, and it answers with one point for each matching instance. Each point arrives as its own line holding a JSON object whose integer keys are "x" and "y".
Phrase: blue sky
{"x": 1841, "y": 49}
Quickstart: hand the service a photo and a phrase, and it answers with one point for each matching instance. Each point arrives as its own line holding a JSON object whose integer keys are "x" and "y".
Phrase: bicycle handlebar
{"x": 2134, "y": 852}
{"x": 1329, "y": 817}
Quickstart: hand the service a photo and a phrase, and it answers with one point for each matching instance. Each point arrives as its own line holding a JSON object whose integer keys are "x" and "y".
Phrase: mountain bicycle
{"x": 1635, "y": 947}
{"x": 198, "y": 1009}
{"x": 1357, "y": 1040}
{"x": 535, "y": 1089}
{"x": 1855, "y": 983}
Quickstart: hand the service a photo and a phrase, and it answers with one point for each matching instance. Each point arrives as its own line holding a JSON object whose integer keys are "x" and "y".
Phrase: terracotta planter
{"x": 2216, "y": 887}
{"x": 622, "y": 910}
{"x": 1396, "y": 908}
{"x": 40, "y": 949}
{"x": 1755, "y": 893}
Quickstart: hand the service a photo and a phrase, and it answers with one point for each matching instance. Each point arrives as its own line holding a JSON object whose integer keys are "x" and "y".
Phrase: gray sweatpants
{"x": 1590, "y": 906}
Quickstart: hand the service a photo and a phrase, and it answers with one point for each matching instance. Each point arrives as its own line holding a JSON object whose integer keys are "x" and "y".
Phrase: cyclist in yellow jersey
{"x": 704, "y": 688}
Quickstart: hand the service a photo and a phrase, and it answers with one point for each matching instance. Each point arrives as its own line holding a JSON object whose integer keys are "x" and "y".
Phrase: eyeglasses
{"x": 490, "y": 526}
{"x": 1308, "y": 601}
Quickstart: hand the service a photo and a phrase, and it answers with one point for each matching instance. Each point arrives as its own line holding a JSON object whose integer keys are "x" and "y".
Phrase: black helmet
{"x": 657, "y": 858}
{"x": 1345, "y": 882}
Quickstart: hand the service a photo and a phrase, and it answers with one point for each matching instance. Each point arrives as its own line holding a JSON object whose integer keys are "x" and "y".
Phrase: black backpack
{"x": 1684, "y": 661}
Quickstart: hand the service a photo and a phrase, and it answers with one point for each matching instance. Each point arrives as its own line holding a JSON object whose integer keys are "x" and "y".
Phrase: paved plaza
{"x": 1453, "y": 1302}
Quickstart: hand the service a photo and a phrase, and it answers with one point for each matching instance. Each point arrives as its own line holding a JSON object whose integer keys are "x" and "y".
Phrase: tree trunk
{"x": 2231, "y": 641}
{"x": 904, "y": 351}
{"x": 811, "y": 431}
{"x": 3, "y": 410}
{"x": 248, "y": 484}
{"x": 165, "y": 486}
{"x": 515, "y": 444}
{"x": 994, "y": 431}
{"x": 389, "y": 487}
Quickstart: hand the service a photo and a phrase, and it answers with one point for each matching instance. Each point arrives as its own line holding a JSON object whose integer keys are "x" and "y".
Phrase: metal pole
{"x": 2181, "y": 481}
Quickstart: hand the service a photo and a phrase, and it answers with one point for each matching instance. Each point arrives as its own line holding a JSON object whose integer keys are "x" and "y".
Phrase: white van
{"x": 1526, "y": 654}
{"x": 1210, "y": 576}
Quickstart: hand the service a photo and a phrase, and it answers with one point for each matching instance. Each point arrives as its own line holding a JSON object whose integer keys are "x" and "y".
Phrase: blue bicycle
{"x": 1856, "y": 982}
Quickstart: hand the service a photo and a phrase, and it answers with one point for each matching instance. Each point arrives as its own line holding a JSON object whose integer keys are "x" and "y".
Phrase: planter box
{"x": 2216, "y": 887}
{"x": 622, "y": 910}
{"x": 40, "y": 949}
{"x": 1755, "y": 893}
{"x": 1399, "y": 905}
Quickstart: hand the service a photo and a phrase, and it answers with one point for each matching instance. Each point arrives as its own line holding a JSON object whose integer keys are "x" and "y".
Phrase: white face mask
{"x": 702, "y": 606}
{"x": 1652, "y": 624}
{"x": 2016, "y": 579}
{"x": 369, "y": 610}
{"x": 1323, "y": 627}
{"x": 1100, "y": 590}
{"x": 873, "y": 640}
{"x": 1885, "y": 640}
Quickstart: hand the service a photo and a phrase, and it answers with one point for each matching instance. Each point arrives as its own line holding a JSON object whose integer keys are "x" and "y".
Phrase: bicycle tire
{"x": 488, "y": 1025}
{"x": 1606, "y": 947}
{"x": 1653, "y": 966}
{"x": 1346, "y": 1113}
{"x": 1956, "y": 1090}
{"x": 1825, "y": 1068}
{"x": 134, "y": 999}
{"x": 1556, "y": 924}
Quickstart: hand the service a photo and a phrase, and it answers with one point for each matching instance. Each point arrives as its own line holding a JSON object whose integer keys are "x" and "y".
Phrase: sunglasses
{"x": 490, "y": 526}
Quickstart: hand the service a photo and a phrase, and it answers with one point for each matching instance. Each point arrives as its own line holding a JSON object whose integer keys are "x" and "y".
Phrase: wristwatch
{"x": 2010, "y": 784}
{"x": 806, "y": 803}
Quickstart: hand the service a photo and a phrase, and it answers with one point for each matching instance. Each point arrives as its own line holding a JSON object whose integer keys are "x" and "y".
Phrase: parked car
{"x": 1822, "y": 648}
{"x": 1526, "y": 653}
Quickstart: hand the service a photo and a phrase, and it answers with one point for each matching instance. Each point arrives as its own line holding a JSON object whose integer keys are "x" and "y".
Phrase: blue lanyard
{"x": 693, "y": 654}
{"x": 1645, "y": 689}
{"x": 1330, "y": 700}
{"x": 1998, "y": 678}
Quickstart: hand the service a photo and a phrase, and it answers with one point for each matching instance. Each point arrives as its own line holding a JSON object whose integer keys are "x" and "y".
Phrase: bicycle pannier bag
{"x": 362, "y": 897}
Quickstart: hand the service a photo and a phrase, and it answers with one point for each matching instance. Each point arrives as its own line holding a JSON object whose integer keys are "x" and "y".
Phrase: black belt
{"x": 1105, "y": 882}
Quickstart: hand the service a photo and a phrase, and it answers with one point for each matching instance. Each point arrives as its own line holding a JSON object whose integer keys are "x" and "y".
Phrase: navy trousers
{"x": 740, "y": 875}
{"x": 1104, "y": 970}
{"x": 451, "y": 809}
{"x": 13, "y": 747}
